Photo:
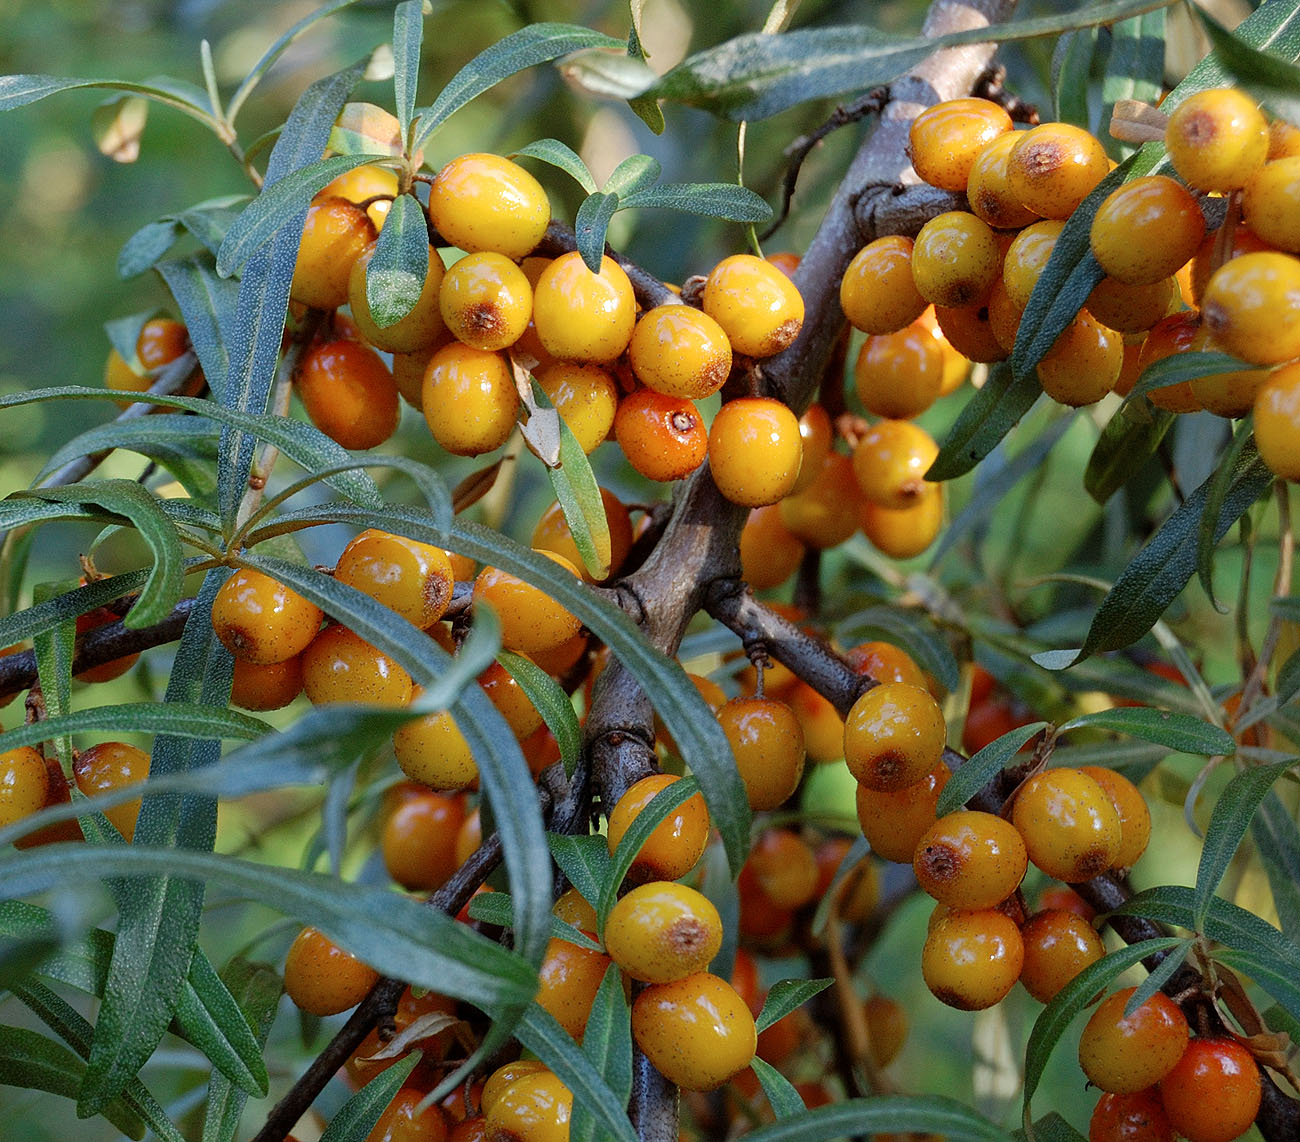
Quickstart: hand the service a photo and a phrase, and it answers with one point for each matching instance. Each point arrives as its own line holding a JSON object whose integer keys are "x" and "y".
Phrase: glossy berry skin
{"x": 410, "y": 578}
{"x": 361, "y": 184}
{"x": 680, "y": 351}
{"x": 500, "y": 1080}
{"x": 663, "y": 437}
{"x": 676, "y": 844}
{"x": 891, "y": 460}
{"x": 400, "y": 1121}
{"x": 1146, "y": 230}
{"x": 1270, "y": 203}
{"x": 1177, "y": 333}
{"x": 893, "y": 736}
{"x": 335, "y": 234}
{"x": 884, "y": 662}
{"x": 421, "y": 328}
{"x": 581, "y": 316}
{"x": 887, "y": 1026}
{"x": 1134, "y": 816}
{"x": 1213, "y": 1092}
{"x": 1083, "y": 363}
{"x": 1251, "y": 305}
{"x": 321, "y": 978}
{"x": 419, "y": 841}
{"x": 432, "y": 750}
{"x": 899, "y": 375}
{"x": 825, "y": 513}
{"x": 969, "y": 330}
{"x": 1138, "y": 1117}
{"x": 955, "y": 260}
{"x": 469, "y": 399}
{"x": 970, "y": 859}
{"x": 340, "y": 666}
{"x": 553, "y": 533}
{"x": 509, "y": 698}
{"x": 269, "y": 687}
{"x": 904, "y": 533}
{"x": 349, "y": 393}
{"x": 484, "y": 202}
{"x": 971, "y": 960}
{"x": 1054, "y": 167}
{"x": 784, "y": 868}
{"x": 988, "y": 187}
{"x": 1069, "y": 825}
{"x": 878, "y": 293}
{"x": 755, "y": 450}
{"x": 769, "y": 553}
{"x": 1027, "y": 258}
{"x": 945, "y": 139}
{"x": 893, "y": 823}
{"x": 1058, "y": 946}
{"x": 585, "y": 396}
{"x": 818, "y": 435}
{"x": 1277, "y": 422}
{"x": 534, "y": 1108}
{"x": 569, "y": 979}
{"x": 1217, "y": 139}
{"x": 263, "y": 621}
{"x": 109, "y": 766}
{"x": 756, "y": 305}
{"x": 1126, "y": 1055}
{"x": 768, "y": 745}
{"x": 531, "y": 620}
{"x": 24, "y": 784}
{"x": 697, "y": 1032}
{"x": 485, "y": 301}
{"x": 663, "y": 931}
{"x": 1132, "y": 309}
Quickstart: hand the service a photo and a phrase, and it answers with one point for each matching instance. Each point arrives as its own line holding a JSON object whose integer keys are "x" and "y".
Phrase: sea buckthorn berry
{"x": 680, "y": 351}
{"x": 340, "y": 666}
{"x": 663, "y": 437}
{"x": 893, "y": 823}
{"x": 784, "y": 867}
{"x": 469, "y": 837}
{"x": 903, "y": 533}
{"x": 988, "y": 186}
{"x": 334, "y": 235}
{"x": 1027, "y": 257}
{"x": 485, "y": 301}
{"x": 363, "y": 184}
{"x": 1069, "y": 825}
{"x": 893, "y": 736}
{"x": 484, "y": 202}
{"x": 408, "y": 372}
{"x": 585, "y": 396}
{"x": 971, "y": 960}
{"x": 769, "y": 553}
{"x": 500, "y": 1080}
{"x": 262, "y": 621}
{"x": 1058, "y": 946}
{"x": 269, "y": 687}
{"x": 955, "y": 365}
{"x": 955, "y": 260}
{"x": 419, "y": 329}
{"x": 825, "y": 513}
{"x": 349, "y": 393}
{"x": 122, "y": 377}
{"x": 1124, "y": 1055}
{"x": 884, "y": 662}
{"x": 1242, "y": 240}
{"x": 763, "y": 923}
{"x": 403, "y": 1121}
{"x": 1277, "y": 422}
{"x": 1146, "y": 230}
{"x": 818, "y": 434}
{"x": 891, "y": 460}
{"x": 581, "y": 316}
{"x": 969, "y": 330}
{"x": 1137, "y": 1117}
{"x": 24, "y": 784}
{"x": 114, "y": 668}
{"x": 413, "y": 579}
{"x": 1217, "y": 139}
{"x": 663, "y": 931}
{"x": 755, "y": 451}
{"x": 160, "y": 341}
{"x": 697, "y": 1032}
{"x": 768, "y": 745}
{"x": 569, "y": 978}
{"x": 757, "y": 305}
{"x": 823, "y": 728}
{"x": 109, "y": 766}
{"x": 1213, "y": 1092}
{"x": 1270, "y": 203}
{"x": 886, "y": 1028}
{"x": 472, "y": 1128}
{"x": 677, "y": 842}
{"x": 1054, "y": 167}
{"x": 572, "y": 908}
{"x": 1083, "y": 363}
{"x": 1177, "y": 333}
{"x": 878, "y": 293}
{"x": 1252, "y": 307}
{"x": 531, "y": 620}
{"x": 321, "y": 978}
{"x": 535, "y": 1108}
{"x": 469, "y": 399}
{"x": 419, "y": 841}
{"x": 945, "y": 139}
{"x": 898, "y": 375}
{"x": 1283, "y": 140}
{"x": 858, "y": 890}
{"x": 509, "y": 698}
{"x": 1134, "y": 816}
{"x": 970, "y": 859}
{"x": 553, "y": 533}
{"x": 1132, "y": 309}
{"x": 432, "y": 750}
{"x": 1230, "y": 395}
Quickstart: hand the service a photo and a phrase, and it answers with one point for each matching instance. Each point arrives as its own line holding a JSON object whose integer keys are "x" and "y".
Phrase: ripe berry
{"x": 509, "y": 698}
{"x": 1027, "y": 258}
{"x": 884, "y": 662}
{"x": 893, "y": 823}
{"x": 1132, "y": 309}
{"x": 403, "y": 1121}
{"x": 858, "y": 891}
{"x": 756, "y": 305}
{"x": 1134, "y": 816}
{"x": 945, "y": 139}
{"x": 269, "y": 687}
{"x": 553, "y": 533}
{"x": 534, "y": 1108}
{"x": 485, "y": 301}
{"x": 886, "y": 1027}
{"x": 321, "y": 978}
{"x": 531, "y": 621}
{"x": 955, "y": 260}
{"x": 825, "y": 513}
{"x": 263, "y": 621}
{"x": 697, "y": 1032}
{"x": 419, "y": 329}
{"x": 1270, "y": 203}
{"x": 569, "y": 978}
{"x": 1083, "y": 363}
{"x": 500, "y": 1080}
{"x": 893, "y": 736}
{"x": 159, "y": 342}
{"x": 484, "y": 202}
{"x": 1146, "y": 230}
{"x": 585, "y": 396}
{"x": 1054, "y": 167}
{"x": 878, "y": 293}
{"x": 769, "y": 553}
{"x": 904, "y": 533}
{"x": 891, "y": 460}
{"x": 349, "y": 393}
{"x": 1124, "y": 1055}
{"x": 469, "y": 399}
{"x": 413, "y": 579}
{"x": 971, "y": 960}
{"x": 432, "y": 750}
{"x": 1217, "y": 139}
{"x": 1213, "y": 1092}
{"x": 340, "y": 666}
{"x": 675, "y": 845}
{"x": 663, "y": 931}
{"x": 581, "y": 316}
{"x": 334, "y": 235}
{"x": 899, "y": 375}
{"x": 1058, "y": 946}
{"x": 784, "y": 867}
{"x": 969, "y": 331}
{"x": 361, "y": 184}
{"x": 823, "y": 728}
{"x": 1251, "y": 306}
{"x": 419, "y": 841}
{"x": 755, "y": 451}
{"x": 988, "y": 186}
{"x": 24, "y": 784}
{"x": 818, "y": 434}
{"x": 663, "y": 437}
{"x": 1277, "y": 422}
{"x": 1138, "y": 1117}
{"x": 680, "y": 351}
{"x": 1177, "y": 333}
{"x": 768, "y": 745}
{"x": 114, "y": 668}
{"x": 970, "y": 859}
{"x": 1069, "y": 825}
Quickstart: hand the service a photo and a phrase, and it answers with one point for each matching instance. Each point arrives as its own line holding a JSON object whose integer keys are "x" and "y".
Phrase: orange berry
{"x": 887, "y": 1028}
{"x": 1129, "y": 308}
{"x": 663, "y": 931}
{"x": 269, "y": 687}
{"x": 969, "y": 859}
{"x": 1134, "y": 816}
{"x": 1069, "y": 825}
{"x": 768, "y": 745}
{"x": 1177, "y": 333}
{"x": 878, "y": 293}
{"x": 534, "y": 1108}
{"x": 262, "y": 621}
{"x": 904, "y": 533}
{"x": 1058, "y": 946}
{"x": 969, "y": 331}
{"x": 349, "y": 393}
{"x": 485, "y": 301}
{"x": 419, "y": 841}
{"x": 894, "y": 822}
{"x": 402, "y": 1121}
{"x": 697, "y": 1032}
{"x": 500, "y": 1080}
{"x": 531, "y": 621}
{"x": 321, "y": 978}
{"x": 823, "y": 728}
{"x": 569, "y": 978}
{"x": 581, "y": 316}
{"x": 334, "y": 235}
{"x": 419, "y": 329}
{"x": 585, "y": 396}
{"x": 971, "y": 960}
{"x": 1083, "y": 363}
{"x": 898, "y": 375}
{"x": 675, "y": 845}
{"x": 891, "y": 460}
{"x": 1277, "y": 422}
{"x": 955, "y": 260}
{"x": 884, "y": 662}
{"x": 663, "y": 437}
{"x": 945, "y": 139}
{"x": 1270, "y": 203}
{"x": 769, "y": 553}
{"x": 784, "y": 867}
{"x": 756, "y": 305}
{"x": 1027, "y": 258}
{"x": 1127, "y": 1054}
{"x": 413, "y": 579}
{"x": 818, "y": 434}
{"x": 825, "y": 513}
{"x": 1251, "y": 306}
{"x": 1146, "y": 230}
{"x": 1054, "y": 167}
{"x": 553, "y": 533}
{"x": 362, "y": 184}
{"x": 1217, "y": 139}
{"x": 755, "y": 450}
{"x": 1137, "y": 1117}
{"x": 680, "y": 351}
{"x": 469, "y": 399}
{"x": 24, "y": 784}
{"x": 1213, "y": 1092}
{"x": 988, "y": 186}
{"x": 484, "y": 202}
{"x": 340, "y": 666}
{"x": 432, "y": 750}
{"x": 893, "y": 736}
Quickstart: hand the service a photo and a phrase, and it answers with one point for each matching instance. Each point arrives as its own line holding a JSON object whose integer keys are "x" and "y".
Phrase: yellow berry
{"x": 757, "y": 305}
{"x": 483, "y": 202}
{"x": 486, "y": 301}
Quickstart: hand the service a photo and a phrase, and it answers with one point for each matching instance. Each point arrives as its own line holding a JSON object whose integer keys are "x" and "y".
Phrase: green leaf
{"x": 528, "y": 47}
{"x": 1053, "y": 1128}
{"x": 1128, "y": 441}
{"x": 723, "y": 200}
{"x": 607, "y": 1042}
{"x": 164, "y": 438}
{"x": 207, "y": 303}
{"x": 1272, "y": 79}
{"x": 992, "y": 411}
{"x": 408, "y": 33}
{"x": 1071, "y": 70}
{"x": 1135, "y": 68}
{"x": 638, "y": 832}
{"x": 787, "y": 994}
{"x": 645, "y": 107}
{"x": 580, "y": 498}
{"x": 786, "y": 1101}
{"x": 1177, "y": 732}
{"x": 634, "y": 174}
{"x": 1163, "y": 972}
{"x": 589, "y": 227}
{"x": 552, "y": 703}
{"x": 146, "y": 246}
{"x": 256, "y": 989}
{"x": 971, "y": 777}
{"x": 1288, "y": 679}
{"x": 181, "y": 719}
{"x": 926, "y": 646}
{"x": 1277, "y": 841}
{"x": 20, "y": 90}
{"x": 357, "y": 1117}
{"x": 881, "y": 1113}
{"x": 211, "y": 1019}
{"x": 1218, "y": 485}
{"x": 607, "y": 74}
{"x": 1184, "y": 367}
{"x": 585, "y": 861}
{"x": 497, "y": 908}
{"x": 561, "y": 156}
{"x": 396, "y": 273}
